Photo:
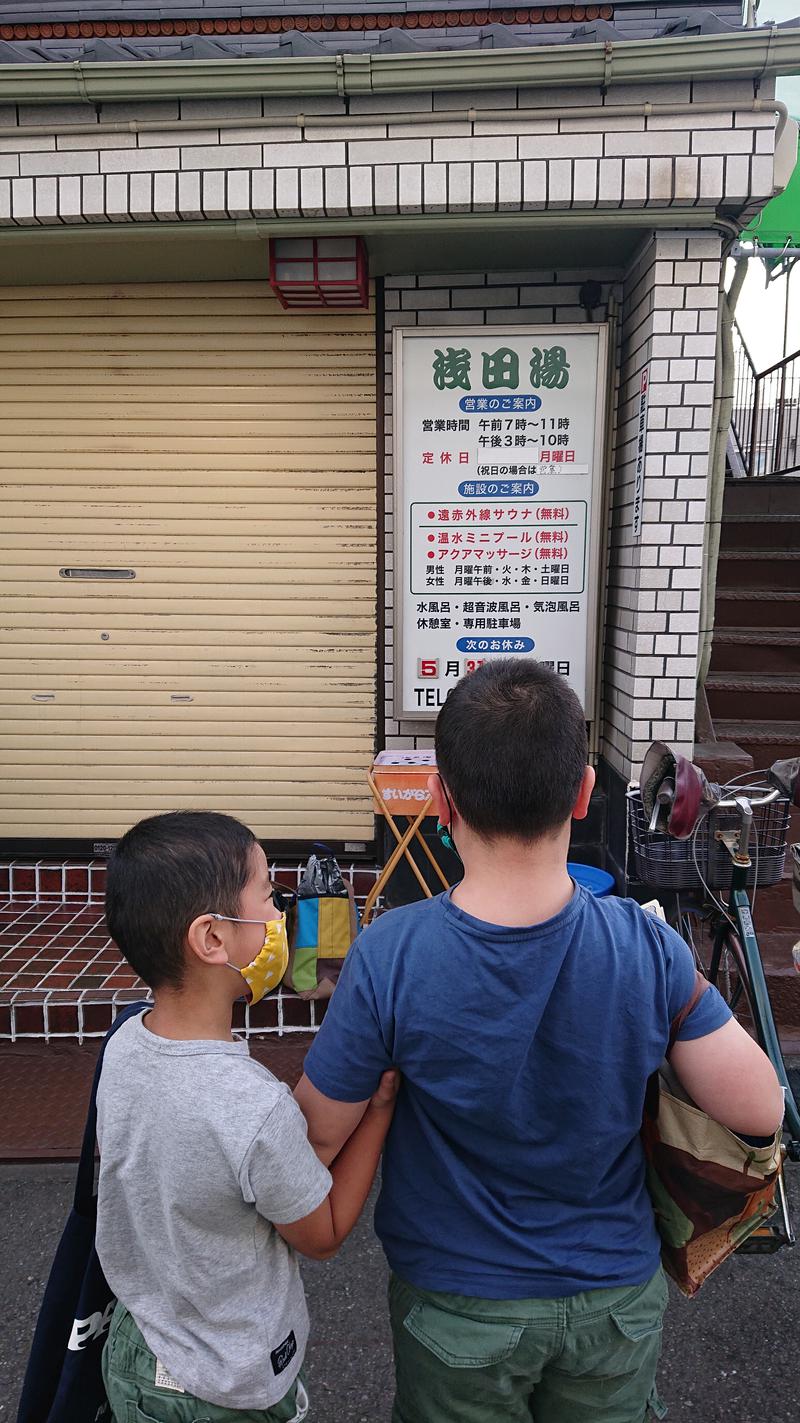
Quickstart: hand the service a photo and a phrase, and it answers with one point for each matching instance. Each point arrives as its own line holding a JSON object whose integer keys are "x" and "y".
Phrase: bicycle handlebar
{"x": 736, "y": 803}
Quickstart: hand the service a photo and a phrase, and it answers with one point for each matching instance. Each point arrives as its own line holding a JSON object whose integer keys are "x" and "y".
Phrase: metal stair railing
{"x": 745, "y": 380}
{"x": 765, "y": 422}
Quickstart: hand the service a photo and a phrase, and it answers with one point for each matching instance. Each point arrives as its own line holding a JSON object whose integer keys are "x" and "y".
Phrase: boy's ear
{"x": 440, "y": 808}
{"x": 204, "y": 939}
{"x": 581, "y": 809}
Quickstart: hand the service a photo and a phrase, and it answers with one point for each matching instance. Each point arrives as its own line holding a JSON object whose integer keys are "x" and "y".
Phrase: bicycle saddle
{"x": 675, "y": 792}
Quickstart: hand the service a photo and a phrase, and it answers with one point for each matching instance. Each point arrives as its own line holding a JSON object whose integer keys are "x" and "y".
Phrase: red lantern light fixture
{"x": 310, "y": 272}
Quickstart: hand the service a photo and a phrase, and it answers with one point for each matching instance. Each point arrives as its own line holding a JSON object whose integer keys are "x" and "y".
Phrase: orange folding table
{"x": 398, "y": 781}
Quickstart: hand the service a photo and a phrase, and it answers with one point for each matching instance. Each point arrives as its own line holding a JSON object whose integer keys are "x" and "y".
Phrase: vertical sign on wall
{"x": 498, "y": 477}
{"x": 641, "y": 441}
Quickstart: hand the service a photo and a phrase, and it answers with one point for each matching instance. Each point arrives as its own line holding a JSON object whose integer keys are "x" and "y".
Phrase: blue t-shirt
{"x": 513, "y": 1168}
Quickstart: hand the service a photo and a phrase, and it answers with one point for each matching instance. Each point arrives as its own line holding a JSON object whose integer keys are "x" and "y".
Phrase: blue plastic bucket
{"x": 598, "y": 882}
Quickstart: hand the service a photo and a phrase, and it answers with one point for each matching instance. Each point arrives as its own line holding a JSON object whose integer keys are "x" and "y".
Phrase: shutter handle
{"x": 101, "y": 574}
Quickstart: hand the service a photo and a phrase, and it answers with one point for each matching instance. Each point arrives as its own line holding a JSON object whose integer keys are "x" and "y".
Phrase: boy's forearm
{"x": 354, "y": 1169}
{"x": 330, "y": 1123}
{"x": 320, "y": 1233}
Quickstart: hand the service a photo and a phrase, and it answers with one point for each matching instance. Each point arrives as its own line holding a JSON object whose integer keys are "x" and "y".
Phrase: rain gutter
{"x": 256, "y": 229}
{"x": 747, "y": 54}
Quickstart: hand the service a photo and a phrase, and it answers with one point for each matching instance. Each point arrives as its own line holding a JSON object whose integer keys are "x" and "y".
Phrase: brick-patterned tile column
{"x": 669, "y": 322}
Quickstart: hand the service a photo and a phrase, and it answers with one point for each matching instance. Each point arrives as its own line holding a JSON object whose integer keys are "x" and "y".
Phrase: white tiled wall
{"x": 364, "y": 162}
{"x": 540, "y": 155}
{"x": 669, "y": 304}
{"x": 474, "y": 299}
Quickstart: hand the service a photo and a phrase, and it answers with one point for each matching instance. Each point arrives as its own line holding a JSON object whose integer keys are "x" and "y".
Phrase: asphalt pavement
{"x": 729, "y": 1356}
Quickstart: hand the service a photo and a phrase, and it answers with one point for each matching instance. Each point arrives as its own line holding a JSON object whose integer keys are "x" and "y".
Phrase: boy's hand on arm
{"x": 388, "y": 1088}
{"x": 320, "y": 1234}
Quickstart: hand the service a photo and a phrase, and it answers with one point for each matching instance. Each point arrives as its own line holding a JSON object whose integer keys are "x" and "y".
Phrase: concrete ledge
{"x": 722, "y": 760}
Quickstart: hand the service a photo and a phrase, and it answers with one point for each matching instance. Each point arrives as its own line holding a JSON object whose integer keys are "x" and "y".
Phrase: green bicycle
{"x": 737, "y": 845}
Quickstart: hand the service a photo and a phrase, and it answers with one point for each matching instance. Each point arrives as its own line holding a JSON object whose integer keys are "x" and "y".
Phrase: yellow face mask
{"x": 270, "y": 964}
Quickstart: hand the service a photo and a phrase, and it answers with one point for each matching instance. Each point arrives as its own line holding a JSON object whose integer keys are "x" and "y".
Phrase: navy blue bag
{"x": 63, "y": 1380}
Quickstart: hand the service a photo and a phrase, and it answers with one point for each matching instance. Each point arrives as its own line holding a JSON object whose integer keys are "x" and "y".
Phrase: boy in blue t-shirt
{"x": 525, "y": 1017}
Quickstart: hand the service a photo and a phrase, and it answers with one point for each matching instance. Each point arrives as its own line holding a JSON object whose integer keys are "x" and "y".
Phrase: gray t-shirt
{"x": 200, "y": 1149}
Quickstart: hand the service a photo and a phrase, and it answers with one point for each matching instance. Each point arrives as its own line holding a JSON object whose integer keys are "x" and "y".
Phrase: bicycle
{"x": 722, "y": 936}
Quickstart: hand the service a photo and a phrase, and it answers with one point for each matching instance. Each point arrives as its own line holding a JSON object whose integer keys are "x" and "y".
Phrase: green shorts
{"x": 129, "y": 1374}
{"x": 582, "y": 1359}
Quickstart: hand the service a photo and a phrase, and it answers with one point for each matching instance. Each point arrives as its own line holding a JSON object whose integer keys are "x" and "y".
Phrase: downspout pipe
{"x": 333, "y": 122}
{"x": 612, "y": 393}
{"x": 721, "y": 422}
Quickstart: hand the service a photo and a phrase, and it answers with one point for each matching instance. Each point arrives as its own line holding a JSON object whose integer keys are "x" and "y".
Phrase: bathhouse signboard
{"x": 498, "y": 472}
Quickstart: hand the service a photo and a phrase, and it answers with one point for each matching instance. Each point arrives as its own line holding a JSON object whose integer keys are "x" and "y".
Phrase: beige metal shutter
{"x": 224, "y": 450}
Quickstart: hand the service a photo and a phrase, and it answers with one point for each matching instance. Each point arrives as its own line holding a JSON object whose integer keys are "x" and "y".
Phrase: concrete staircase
{"x": 753, "y": 687}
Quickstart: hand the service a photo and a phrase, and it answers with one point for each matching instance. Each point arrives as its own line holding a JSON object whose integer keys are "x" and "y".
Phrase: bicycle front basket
{"x": 667, "y": 863}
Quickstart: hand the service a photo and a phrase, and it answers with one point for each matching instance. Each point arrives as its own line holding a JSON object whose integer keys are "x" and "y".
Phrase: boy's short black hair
{"x": 511, "y": 748}
{"x": 162, "y": 874}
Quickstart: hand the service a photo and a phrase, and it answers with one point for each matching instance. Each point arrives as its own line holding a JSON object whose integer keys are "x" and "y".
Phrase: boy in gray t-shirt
{"x": 208, "y": 1184}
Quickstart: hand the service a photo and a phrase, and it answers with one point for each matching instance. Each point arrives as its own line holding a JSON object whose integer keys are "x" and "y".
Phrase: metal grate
{"x": 61, "y": 976}
{"x": 667, "y": 863}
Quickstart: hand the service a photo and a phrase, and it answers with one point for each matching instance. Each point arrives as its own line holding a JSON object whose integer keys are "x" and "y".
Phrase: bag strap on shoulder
{"x": 700, "y": 986}
{"x": 85, "y": 1197}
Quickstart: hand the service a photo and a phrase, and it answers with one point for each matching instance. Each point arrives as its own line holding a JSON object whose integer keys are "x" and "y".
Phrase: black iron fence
{"x": 765, "y": 424}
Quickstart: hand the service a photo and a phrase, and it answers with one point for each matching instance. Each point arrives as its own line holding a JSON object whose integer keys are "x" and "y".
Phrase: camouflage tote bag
{"x": 710, "y": 1189}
